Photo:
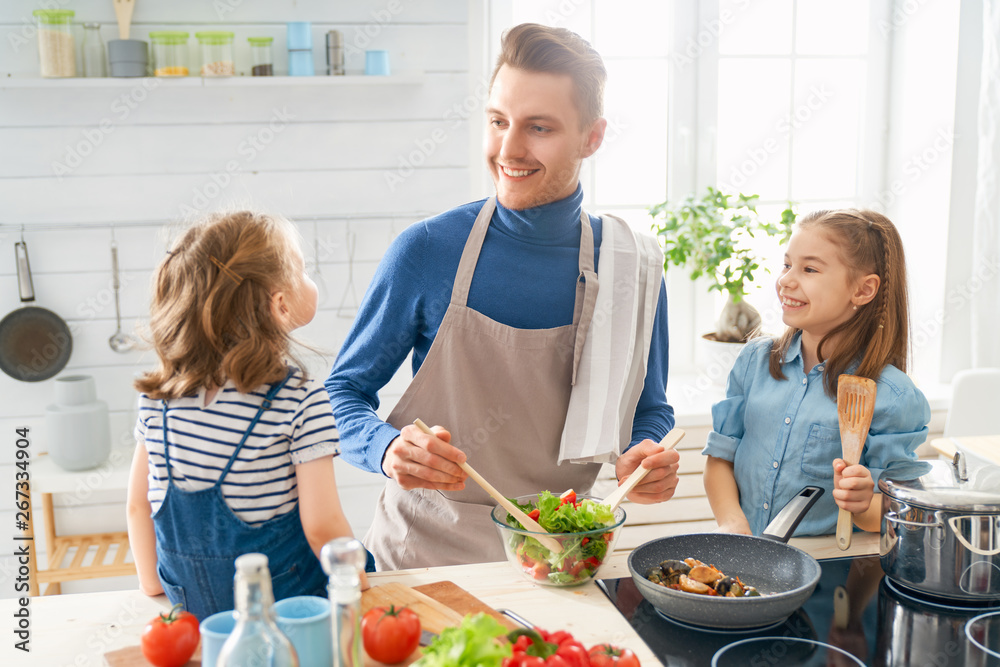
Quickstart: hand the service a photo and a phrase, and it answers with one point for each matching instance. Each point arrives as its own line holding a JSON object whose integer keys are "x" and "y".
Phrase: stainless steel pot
{"x": 941, "y": 528}
{"x": 912, "y": 633}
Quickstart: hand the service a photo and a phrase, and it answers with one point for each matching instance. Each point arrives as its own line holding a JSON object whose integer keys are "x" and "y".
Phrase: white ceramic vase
{"x": 715, "y": 359}
{"x": 79, "y": 431}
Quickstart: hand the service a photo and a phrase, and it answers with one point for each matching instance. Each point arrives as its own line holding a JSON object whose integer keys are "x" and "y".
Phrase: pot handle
{"x": 23, "y": 272}
{"x": 953, "y": 522}
{"x": 788, "y": 519}
{"x": 903, "y": 509}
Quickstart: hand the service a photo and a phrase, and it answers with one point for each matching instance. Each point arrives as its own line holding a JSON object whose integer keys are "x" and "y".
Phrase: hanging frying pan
{"x": 35, "y": 343}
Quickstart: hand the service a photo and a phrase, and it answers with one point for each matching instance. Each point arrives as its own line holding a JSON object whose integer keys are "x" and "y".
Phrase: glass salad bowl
{"x": 584, "y": 549}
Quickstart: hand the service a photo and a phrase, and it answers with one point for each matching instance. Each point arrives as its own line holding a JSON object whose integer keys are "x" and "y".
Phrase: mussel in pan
{"x": 693, "y": 576}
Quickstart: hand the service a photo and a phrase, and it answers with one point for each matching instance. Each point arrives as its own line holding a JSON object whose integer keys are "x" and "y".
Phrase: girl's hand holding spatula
{"x": 853, "y": 490}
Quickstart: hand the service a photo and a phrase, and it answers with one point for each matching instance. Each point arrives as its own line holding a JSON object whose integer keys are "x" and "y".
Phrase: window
{"x": 785, "y": 99}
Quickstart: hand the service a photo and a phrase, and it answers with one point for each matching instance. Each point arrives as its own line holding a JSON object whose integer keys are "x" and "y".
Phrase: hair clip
{"x": 235, "y": 277}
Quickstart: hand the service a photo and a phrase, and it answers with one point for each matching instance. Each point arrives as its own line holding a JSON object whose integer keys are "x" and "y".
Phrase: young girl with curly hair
{"x": 234, "y": 444}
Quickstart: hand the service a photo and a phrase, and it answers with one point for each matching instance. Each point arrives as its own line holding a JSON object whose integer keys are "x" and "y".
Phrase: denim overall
{"x": 198, "y": 537}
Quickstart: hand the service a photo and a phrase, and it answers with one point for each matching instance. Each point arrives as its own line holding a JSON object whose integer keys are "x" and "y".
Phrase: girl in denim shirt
{"x": 843, "y": 296}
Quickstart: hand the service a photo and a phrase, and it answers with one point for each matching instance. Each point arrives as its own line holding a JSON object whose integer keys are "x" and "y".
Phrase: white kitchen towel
{"x": 613, "y": 365}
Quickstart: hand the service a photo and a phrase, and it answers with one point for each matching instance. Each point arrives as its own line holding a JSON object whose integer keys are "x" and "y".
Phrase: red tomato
{"x": 390, "y": 635}
{"x": 540, "y": 570}
{"x": 574, "y": 654}
{"x": 170, "y": 639}
{"x": 608, "y": 655}
{"x": 567, "y": 497}
{"x": 534, "y": 514}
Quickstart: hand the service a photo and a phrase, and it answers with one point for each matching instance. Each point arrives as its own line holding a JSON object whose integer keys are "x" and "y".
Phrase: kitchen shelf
{"x": 402, "y": 78}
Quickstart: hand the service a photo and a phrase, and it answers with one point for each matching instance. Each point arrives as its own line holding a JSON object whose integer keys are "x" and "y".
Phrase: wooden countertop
{"x": 983, "y": 447}
{"x": 79, "y": 629}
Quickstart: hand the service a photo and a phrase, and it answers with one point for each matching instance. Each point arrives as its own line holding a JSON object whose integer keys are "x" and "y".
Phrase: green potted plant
{"x": 710, "y": 235}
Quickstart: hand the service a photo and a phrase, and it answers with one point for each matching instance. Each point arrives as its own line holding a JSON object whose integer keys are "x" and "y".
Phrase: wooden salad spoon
{"x": 530, "y": 524}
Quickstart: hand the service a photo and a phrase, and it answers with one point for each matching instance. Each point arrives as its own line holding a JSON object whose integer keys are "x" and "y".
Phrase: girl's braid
{"x": 887, "y": 271}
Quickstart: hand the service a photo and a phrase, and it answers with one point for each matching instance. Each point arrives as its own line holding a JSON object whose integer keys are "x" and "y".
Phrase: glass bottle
{"x": 95, "y": 63}
{"x": 256, "y": 639}
{"x": 343, "y": 559}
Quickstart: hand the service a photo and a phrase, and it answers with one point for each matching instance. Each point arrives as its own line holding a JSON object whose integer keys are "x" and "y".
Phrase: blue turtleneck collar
{"x": 546, "y": 223}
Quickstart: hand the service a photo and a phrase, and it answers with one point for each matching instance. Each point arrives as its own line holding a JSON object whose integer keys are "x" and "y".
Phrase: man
{"x": 500, "y": 304}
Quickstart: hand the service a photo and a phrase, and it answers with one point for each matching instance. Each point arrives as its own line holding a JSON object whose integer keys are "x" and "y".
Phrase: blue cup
{"x": 300, "y": 63}
{"x": 377, "y": 63}
{"x": 305, "y": 620}
{"x": 299, "y": 35}
{"x": 215, "y": 630}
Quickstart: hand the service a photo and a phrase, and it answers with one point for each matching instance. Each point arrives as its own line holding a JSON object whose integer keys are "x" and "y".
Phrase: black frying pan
{"x": 35, "y": 343}
{"x": 784, "y": 575}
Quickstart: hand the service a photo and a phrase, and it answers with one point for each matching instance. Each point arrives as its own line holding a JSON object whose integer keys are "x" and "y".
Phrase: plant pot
{"x": 715, "y": 359}
{"x": 77, "y": 425}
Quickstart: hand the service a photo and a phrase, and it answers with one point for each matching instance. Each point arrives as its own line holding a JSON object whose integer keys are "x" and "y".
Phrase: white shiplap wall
{"x": 83, "y": 159}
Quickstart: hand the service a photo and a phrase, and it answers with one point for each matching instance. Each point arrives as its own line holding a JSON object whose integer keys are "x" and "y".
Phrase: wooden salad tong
{"x": 669, "y": 441}
{"x": 550, "y": 543}
{"x": 855, "y": 407}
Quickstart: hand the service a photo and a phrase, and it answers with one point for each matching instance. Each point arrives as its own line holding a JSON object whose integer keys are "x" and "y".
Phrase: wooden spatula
{"x": 123, "y": 11}
{"x": 855, "y": 407}
{"x": 549, "y": 543}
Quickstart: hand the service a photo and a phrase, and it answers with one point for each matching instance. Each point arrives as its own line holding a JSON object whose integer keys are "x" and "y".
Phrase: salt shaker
{"x": 343, "y": 560}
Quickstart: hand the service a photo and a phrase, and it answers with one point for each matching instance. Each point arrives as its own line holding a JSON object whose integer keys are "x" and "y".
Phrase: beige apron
{"x": 502, "y": 392}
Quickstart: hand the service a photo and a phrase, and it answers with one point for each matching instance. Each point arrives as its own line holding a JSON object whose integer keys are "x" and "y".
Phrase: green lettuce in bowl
{"x": 586, "y": 529}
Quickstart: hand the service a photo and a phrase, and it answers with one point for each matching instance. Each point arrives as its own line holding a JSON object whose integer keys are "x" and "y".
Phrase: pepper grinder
{"x": 335, "y": 53}
{"x": 343, "y": 560}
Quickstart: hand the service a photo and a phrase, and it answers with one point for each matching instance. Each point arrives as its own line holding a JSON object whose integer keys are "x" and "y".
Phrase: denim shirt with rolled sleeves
{"x": 782, "y": 435}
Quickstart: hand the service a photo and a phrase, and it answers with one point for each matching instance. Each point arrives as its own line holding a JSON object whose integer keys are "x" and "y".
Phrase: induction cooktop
{"x": 856, "y": 616}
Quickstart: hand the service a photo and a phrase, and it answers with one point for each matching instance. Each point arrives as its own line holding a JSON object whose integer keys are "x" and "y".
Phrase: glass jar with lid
{"x": 216, "y": 53}
{"x": 169, "y": 52}
{"x": 56, "y": 45}
{"x": 261, "y": 56}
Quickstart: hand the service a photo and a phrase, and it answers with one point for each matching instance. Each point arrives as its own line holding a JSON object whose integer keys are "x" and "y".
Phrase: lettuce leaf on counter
{"x": 471, "y": 644}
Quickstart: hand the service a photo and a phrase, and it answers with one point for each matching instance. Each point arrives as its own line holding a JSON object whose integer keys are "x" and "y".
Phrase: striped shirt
{"x": 260, "y": 485}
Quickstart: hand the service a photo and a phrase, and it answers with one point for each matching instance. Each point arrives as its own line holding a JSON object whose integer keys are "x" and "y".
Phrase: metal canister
{"x": 335, "y": 53}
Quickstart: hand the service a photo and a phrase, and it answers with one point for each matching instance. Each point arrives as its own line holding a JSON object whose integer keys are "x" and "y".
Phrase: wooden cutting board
{"x": 131, "y": 656}
{"x": 439, "y": 605}
{"x": 434, "y": 615}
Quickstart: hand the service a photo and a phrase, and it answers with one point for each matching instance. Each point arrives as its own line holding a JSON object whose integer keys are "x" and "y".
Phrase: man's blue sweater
{"x": 525, "y": 278}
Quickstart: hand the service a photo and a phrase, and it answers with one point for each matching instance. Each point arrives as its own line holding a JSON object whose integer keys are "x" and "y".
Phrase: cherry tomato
{"x": 390, "y": 635}
{"x": 540, "y": 570}
{"x": 170, "y": 639}
{"x": 608, "y": 655}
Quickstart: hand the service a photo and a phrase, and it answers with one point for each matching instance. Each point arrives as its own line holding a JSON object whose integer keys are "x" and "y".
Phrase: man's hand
{"x": 417, "y": 460}
{"x": 853, "y": 486}
{"x": 661, "y": 481}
